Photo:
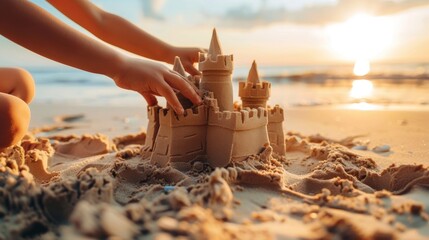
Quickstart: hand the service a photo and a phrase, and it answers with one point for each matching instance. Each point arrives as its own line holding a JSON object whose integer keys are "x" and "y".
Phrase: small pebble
{"x": 167, "y": 224}
{"x": 168, "y": 188}
{"x": 381, "y": 149}
{"x": 360, "y": 147}
{"x": 404, "y": 122}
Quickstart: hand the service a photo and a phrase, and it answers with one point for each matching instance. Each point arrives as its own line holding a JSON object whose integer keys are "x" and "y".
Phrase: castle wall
{"x": 181, "y": 138}
{"x": 249, "y": 142}
{"x": 152, "y": 127}
{"x": 275, "y": 130}
{"x": 233, "y": 136}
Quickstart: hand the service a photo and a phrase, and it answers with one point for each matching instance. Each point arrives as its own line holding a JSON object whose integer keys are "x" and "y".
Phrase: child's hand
{"x": 188, "y": 56}
{"x": 151, "y": 78}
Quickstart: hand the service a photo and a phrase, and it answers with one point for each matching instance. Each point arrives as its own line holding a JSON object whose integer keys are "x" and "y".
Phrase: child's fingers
{"x": 150, "y": 99}
{"x": 178, "y": 82}
{"x": 189, "y": 82}
{"x": 166, "y": 91}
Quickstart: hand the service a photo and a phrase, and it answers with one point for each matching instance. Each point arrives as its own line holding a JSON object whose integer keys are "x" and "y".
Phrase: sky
{"x": 273, "y": 32}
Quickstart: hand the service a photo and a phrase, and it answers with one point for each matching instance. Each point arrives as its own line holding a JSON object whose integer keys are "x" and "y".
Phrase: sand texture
{"x": 96, "y": 187}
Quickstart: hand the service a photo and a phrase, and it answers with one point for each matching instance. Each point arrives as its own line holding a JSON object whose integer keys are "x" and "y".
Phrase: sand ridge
{"x": 61, "y": 188}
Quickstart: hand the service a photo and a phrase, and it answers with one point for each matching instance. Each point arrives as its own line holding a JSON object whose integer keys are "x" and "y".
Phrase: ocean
{"x": 386, "y": 86}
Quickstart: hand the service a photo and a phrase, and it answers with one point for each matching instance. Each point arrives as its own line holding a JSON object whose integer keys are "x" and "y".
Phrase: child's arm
{"x": 121, "y": 33}
{"x": 30, "y": 26}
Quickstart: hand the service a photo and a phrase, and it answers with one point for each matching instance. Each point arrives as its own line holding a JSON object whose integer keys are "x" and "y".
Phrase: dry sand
{"x": 65, "y": 181}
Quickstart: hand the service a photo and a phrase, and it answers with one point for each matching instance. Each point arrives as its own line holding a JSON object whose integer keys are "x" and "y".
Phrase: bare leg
{"x": 16, "y": 90}
{"x": 17, "y": 82}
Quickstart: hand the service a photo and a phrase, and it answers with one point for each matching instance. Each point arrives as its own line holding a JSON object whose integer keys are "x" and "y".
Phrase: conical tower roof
{"x": 214, "y": 48}
{"x": 253, "y": 76}
{"x": 178, "y": 67}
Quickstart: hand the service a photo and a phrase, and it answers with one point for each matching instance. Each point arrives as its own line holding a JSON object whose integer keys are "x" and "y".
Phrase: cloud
{"x": 152, "y": 9}
{"x": 316, "y": 14}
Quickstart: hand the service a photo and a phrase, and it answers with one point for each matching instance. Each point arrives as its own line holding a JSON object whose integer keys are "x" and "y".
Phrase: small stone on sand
{"x": 360, "y": 147}
{"x": 381, "y": 149}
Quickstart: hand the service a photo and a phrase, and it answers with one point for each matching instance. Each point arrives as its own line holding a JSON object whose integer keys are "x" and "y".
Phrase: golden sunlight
{"x": 361, "y": 89}
{"x": 364, "y": 106}
{"x": 361, "y": 37}
{"x": 361, "y": 67}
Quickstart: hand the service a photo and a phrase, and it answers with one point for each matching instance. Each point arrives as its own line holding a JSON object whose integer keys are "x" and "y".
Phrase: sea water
{"x": 386, "y": 86}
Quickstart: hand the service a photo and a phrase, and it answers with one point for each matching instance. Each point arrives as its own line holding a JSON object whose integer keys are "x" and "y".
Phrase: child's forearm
{"x": 119, "y": 32}
{"x": 35, "y": 29}
{"x": 115, "y": 30}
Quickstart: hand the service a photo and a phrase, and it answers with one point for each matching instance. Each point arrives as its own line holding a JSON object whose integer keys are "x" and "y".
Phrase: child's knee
{"x": 21, "y": 81}
{"x": 14, "y": 120}
{"x": 25, "y": 84}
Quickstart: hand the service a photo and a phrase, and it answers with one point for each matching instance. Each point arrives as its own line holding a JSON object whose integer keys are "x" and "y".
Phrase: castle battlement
{"x": 192, "y": 117}
{"x": 242, "y": 120}
{"x": 152, "y": 126}
{"x": 251, "y": 90}
{"x": 211, "y": 103}
{"x": 212, "y": 64}
{"x": 153, "y": 112}
{"x": 276, "y": 114}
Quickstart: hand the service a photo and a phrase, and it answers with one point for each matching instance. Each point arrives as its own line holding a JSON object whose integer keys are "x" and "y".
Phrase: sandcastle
{"x": 217, "y": 132}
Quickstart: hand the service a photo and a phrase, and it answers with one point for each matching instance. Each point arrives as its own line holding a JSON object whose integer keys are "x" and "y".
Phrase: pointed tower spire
{"x": 178, "y": 67}
{"x": 253, "y": 76}
{"x": 254, "y": 93}
{"x": 214, "y": 48}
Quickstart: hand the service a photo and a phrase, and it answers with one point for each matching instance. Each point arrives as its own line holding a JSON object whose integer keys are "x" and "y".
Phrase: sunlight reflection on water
{"x": 361, "y": 89}
{"x": 364, "y": 106}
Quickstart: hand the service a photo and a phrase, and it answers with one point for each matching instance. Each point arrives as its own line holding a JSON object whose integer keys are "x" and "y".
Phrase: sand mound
{"x": 320, "y": 190}
{"x": 85, "y": 146}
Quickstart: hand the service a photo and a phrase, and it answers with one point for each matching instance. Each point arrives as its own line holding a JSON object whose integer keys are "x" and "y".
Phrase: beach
{"x": 285, "y": 120}
{"x": 347, "y": 174}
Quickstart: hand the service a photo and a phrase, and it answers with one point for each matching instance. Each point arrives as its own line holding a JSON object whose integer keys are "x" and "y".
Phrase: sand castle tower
{"x": 275, "y": 129}
{"x": 216, "y": 71}
{"x": 254, "y": 93}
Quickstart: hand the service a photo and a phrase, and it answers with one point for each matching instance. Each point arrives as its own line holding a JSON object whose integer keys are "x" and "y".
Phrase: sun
{"x": 362, "y": 67}
{"x": 362, "y": 37}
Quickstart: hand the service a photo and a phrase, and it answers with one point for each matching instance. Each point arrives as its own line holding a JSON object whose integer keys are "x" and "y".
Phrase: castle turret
{"x": 178, "y": 67}
{"x": 216, "y": 71}
{"x": 254, "y": 93}
{"x": 275, "y": 129}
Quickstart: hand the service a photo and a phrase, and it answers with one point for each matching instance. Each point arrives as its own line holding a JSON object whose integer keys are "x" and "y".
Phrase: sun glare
{"x": 361, "y": 89}
{"x": 361, "y": 37}
{"x": 363, "y": 106}
{"x": 361, "y": 67}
